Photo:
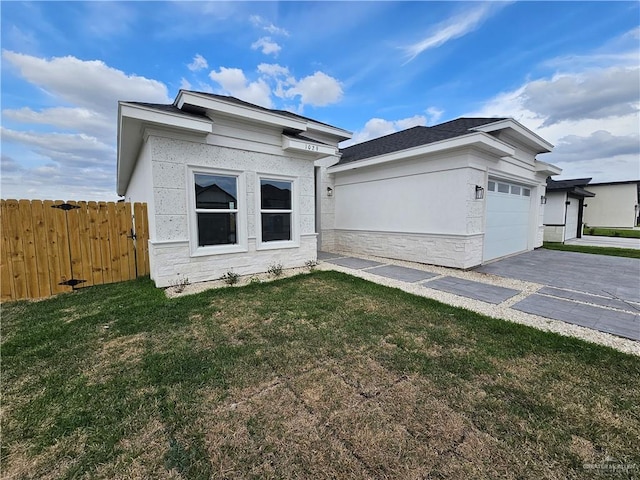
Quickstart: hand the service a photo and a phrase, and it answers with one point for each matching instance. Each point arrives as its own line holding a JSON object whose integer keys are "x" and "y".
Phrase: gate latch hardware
{"x": 65, "y": 206}
{"x": 72, "y": 282}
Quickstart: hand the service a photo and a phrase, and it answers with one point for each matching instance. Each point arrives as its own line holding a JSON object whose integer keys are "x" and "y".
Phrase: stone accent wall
{"x": 553, "y": 234}
{"x": 170, "y": 262}
{"x": 445, "y": 250}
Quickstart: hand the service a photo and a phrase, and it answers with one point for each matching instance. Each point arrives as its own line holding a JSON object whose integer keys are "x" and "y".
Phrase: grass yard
{"x": 611, "y": 251}
{"x": 612, "y": 232}
{"x": 316, "y": 376}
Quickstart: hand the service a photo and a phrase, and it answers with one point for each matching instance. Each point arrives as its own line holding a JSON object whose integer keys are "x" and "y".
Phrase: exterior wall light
{"x": 479, "y": 192}
{"x": 543, "y": 200}
{"x": 329, "y": 192}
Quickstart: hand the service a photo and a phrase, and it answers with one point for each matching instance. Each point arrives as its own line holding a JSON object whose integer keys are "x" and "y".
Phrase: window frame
{"x": 240, "y": 211}
{"x": 295, "y": 234}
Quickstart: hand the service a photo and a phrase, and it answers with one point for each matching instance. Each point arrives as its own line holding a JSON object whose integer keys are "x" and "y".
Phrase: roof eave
{"x": 539, "y": 144}
{"x": 132, "y": 119}
{"x": 479, "y": 140}
{"x": 186, "y": 97}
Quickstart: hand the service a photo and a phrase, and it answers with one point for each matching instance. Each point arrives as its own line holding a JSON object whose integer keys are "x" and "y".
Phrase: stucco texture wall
{"x": 170, "y": 251}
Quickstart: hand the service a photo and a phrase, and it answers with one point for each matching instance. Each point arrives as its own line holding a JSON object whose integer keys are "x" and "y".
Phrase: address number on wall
{"x": 311, "y": 147}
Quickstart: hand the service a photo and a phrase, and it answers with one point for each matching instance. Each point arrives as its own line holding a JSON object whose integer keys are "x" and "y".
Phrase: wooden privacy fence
{"x": 51, "y": 247}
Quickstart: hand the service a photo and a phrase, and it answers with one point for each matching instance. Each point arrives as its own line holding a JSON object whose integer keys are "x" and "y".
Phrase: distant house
{"x": 233, "y": 186}
{"x": 615, "y": 205}
{"x": 564, "y": 208}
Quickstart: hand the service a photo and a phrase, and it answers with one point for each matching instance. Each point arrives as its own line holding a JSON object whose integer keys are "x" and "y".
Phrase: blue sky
{"x": 570, "y": 71}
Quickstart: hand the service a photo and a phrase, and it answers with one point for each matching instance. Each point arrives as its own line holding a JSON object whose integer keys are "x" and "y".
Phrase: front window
{"x": 275, "y": 209}
{"x": 216, "y": 209}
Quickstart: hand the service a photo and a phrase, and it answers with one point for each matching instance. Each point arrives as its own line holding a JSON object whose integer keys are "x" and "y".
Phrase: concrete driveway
{"x": 599, "y": 292}
{"x": 595, "y": 291}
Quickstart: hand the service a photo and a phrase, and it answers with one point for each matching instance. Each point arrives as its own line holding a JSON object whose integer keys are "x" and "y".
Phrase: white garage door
{"x": 507, "y": 225}
{"x": 571, "y": 223}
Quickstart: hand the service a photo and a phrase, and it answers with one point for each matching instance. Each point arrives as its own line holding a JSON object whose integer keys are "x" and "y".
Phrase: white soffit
{"x": 479, "y": 140}
{"x": 168, "y": 119}
{"x": 544, "y": 167}
{"x": 131, "y": 120}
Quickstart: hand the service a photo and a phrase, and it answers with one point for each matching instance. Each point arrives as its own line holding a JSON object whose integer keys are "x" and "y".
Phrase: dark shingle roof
{"x": 575, "y": 186}
{"x": 412, "y": 137}
{"x": 566, "y": 184}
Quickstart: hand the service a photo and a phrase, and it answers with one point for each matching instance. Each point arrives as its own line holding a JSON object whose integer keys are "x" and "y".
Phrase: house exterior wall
{"x": 140, "y": 188}
{"x": 424, "y": 210}
{"x": 173, "y": 250}
{"x": 613, "y": 206}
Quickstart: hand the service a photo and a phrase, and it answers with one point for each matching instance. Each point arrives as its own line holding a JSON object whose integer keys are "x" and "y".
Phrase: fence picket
{"x": 8, "y": 290}
{"x": 42, "y": 246}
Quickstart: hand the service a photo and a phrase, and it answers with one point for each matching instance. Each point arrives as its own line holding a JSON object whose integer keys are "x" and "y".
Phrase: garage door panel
{"x": 507, "y": 223}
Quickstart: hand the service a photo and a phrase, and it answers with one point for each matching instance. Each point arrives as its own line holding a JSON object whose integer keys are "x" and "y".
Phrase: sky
{"x": 569, "y": 71}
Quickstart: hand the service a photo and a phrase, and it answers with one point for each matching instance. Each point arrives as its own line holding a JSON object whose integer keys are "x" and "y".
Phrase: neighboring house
{"x": 615, "y": 205}
{"x": 231, "y": 186}
{"x": 564, "y": 210}
{"x": 457, "y": 194}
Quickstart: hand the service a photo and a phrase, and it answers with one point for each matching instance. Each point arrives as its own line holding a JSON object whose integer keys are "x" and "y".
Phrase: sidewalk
{"x": 597, "y": 241}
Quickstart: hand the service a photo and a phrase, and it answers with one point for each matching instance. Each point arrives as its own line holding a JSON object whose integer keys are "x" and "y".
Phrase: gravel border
{"x": 501, "y": 311}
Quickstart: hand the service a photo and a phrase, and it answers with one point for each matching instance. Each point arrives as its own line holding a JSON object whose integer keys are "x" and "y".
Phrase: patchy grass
{"x": 612, "y": 232}
{"x": 611, "y": 251}
{"x": 316, "y": 376}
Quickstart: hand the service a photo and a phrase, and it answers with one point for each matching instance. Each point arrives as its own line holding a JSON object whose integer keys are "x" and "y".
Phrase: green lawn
{"x": 317, "y": 376}
{"x": 612, "y": 251}
{"x": 612, "y": 232}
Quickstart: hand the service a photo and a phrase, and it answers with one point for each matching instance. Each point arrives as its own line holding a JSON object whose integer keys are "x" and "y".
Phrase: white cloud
{"x": 66, "y": 118}
{"x": 234, "y": 83}
{"x": 594, "y": 94}
{"x": 260, "y": 22}
{"x": 268, "y": 46}
{"x": 185, "y": 84}
{"x": 595, "y": 129}
{"x": 64, "y": 146}
{"x": 378, "y": 127}
{"x": 78, "y": 160}
{"x": 599, "y": 145}
{"x": 318, "y": 89}
{"x": 89, "y": 84}
{"x": 273, "y": 70}
{"x": 198, "y": 63}
{"x": 433, "y": 115}
{"x": 454, "y": 27}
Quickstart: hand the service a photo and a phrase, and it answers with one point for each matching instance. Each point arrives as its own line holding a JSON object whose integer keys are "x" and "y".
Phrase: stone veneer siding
{"x": 445, "y": 250}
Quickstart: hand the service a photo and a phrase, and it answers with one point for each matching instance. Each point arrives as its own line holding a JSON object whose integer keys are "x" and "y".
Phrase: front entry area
{"x": 507, "y": 219}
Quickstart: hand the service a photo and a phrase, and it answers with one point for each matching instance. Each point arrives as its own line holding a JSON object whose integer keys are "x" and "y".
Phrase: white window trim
{"x": 241, "y": 211}
{"x": 295, "y": 230}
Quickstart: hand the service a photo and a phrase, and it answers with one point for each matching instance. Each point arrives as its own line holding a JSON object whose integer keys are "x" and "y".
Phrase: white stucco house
{"x": 458, "y": 194}
{"x": 565, "y": 207}
{"x": 615, "y": 205}
{"x": 232, "y": 186}
{"x": 229, "y": 186}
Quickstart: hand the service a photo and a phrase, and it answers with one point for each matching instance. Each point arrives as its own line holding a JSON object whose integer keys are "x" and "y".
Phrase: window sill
{"x": 277, "y": 245}
{"x": 218, "y": 250}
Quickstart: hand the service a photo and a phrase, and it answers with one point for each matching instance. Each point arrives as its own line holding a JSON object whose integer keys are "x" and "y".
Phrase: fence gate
{"x": 51, "y": 247}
